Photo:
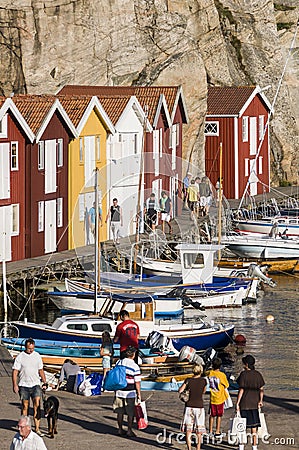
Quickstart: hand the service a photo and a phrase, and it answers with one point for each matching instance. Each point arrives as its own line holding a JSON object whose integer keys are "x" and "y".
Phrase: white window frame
{"x": 161, "y": 142}
{"x": 15, "y": 225}
{"x": 81, "y": 150}
{"x": 245, "y": 121}
{"x": 246, "y": 171}
{"x": 177, "y": 136}
{"x": 59, "y": 152}
{"x": 98, "y": 148}
{"x": 3, "y": 127}
{"x": 41, "y": 155}
{"x": 260, "y": 169}
{"x": 59, "y": 212}
{"x": 41, "y": 216}
{"x": 261, "y": 126}
{"x": 214, "y": 131}
{"x": 14, "y": 157}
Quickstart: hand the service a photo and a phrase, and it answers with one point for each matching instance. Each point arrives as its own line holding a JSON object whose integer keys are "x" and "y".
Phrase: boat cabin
{"x": 197, "y": 262}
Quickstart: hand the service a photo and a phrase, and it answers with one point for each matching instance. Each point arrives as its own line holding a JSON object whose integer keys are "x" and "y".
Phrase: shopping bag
{"x": 262, "y": 431}
{"x": 141, "y": 416}
{"x": 228, "y": 403}
{"x": 116, "y": 378}
{"x": 237, "y": 433}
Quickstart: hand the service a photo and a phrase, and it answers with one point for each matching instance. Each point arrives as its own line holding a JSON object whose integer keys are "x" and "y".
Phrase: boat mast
{"x": 139, "y": 212}
{"x": 220, "y": 199}
{"x": 96, "y": 241}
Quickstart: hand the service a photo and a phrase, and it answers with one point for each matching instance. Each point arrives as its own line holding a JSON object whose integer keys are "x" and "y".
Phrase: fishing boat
{"x": 262, "y": 247}
{"x": 198, "y": 334}
{"x": 83, "y": 301}
{"x": 196, "y": 279}
{"x": 285, "y": 225}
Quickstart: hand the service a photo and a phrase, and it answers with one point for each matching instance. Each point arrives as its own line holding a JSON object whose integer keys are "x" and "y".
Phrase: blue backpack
{"x": 116, "y": 378}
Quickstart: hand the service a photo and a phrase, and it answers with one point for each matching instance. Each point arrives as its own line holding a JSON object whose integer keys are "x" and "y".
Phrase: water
{"x": 274, "y": 345}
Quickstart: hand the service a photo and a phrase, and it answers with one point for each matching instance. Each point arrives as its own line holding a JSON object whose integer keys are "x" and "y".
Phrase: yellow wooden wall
{"x": 93, "y": 127}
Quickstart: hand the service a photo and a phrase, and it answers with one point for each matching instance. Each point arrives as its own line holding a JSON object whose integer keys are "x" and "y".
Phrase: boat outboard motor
{"x": 208, "y": 356}
{"x": 254, "y": 270}
{"x": 189, "y": 354}
{"x": 158, "y": 342}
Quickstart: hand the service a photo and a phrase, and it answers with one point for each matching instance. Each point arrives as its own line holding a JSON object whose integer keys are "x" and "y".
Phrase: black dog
{"x": 51, "y": 405}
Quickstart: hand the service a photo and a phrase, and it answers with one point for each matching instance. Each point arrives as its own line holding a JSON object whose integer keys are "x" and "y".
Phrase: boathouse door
{"x": 50, "y": 226}
{"x": 5, "y": 233}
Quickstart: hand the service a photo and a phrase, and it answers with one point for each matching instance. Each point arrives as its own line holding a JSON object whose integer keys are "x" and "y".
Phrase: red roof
{"x": 227, "y": 100}
{"x": 34, "y": 108}
{"x": 148, "y": 96}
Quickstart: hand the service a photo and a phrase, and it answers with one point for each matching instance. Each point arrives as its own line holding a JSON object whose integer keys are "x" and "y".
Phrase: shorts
{"x": 252, "y": 417}
{"x": 165, "y": 217}
{"x": 124, "y": 406}
{"x": 192, "y": 205}
{"x": 152, "y": 217}
{"x": 194, "y": 420}
{"x": 106, "y": 362}
{"x": 203, "y": 201}
{"x": 29, "y": 392}
{"x": 216, "y": 410}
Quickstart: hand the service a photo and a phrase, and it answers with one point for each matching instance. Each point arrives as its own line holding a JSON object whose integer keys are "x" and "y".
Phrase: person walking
{"x": 127, "y": 334}
{"x": 166, "y": 211}
{"x": 250, "y": 397}
{"x": 205, "y": 195}
{"x": 186, "y": 184}
{"x": 106, "y": 351}
{"x": 124, "y": 400}
{"x": 194, "y": 414}
{"x": 28, "y": 366}
{"x": 218, "y": 394}
{"x": 151, "y": 211}
{"x": 92, "y": 218}
{"x": 116, "y": 220}
{"x": 193, "y": 199}
{"x": 25, "y": 438}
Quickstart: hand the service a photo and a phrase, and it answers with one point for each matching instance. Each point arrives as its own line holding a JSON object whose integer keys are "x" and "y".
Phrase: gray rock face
{"x": 46, "y": 44}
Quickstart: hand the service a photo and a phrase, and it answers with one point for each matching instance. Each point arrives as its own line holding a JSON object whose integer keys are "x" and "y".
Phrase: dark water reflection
{"x": 274, "y": 345}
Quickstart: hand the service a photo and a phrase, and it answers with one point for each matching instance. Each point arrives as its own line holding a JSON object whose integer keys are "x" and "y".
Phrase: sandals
{"x": 131, "y": 434}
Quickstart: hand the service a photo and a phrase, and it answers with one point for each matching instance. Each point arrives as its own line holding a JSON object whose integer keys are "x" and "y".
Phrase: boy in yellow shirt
{"x": 218, "y": 394}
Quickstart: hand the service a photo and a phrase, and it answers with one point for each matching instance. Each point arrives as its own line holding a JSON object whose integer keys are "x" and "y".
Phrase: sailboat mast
{"x": 220, "y": 199}
{"x": 96, "y": 241}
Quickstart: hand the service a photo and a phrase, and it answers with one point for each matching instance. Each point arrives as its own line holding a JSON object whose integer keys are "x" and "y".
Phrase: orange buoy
{"x": 240, "y": 340}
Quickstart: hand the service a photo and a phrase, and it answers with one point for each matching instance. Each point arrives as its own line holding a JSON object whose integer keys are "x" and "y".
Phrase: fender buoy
{"x": 240, "y": 340}
{"x": 270, "y": 318}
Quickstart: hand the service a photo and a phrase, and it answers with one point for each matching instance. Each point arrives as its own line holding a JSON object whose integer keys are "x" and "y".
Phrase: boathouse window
{"x": 101, "y": 327}
{"x": 245, "y": 129}
{"x": 81, "y": 150}
{"x": 261, "y": 127}
{"x": 212, "y": 128}
{"x": 59, "y": 152}
{"x": 14, "y": 156}
{"x": 40, "y": 212}
{"x": 15, "y": 219}
{"x": 59, "y": 212}
{"x": 77, "y": 326}
{"x": 41, "y": 155}
{"x": 3, "y": 127}
{"x": 193, "y": 260}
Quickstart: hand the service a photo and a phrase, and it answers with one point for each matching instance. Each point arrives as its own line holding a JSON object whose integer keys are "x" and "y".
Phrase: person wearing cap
{"x": 124, "y": 400}
{"x": 250, "y": 397}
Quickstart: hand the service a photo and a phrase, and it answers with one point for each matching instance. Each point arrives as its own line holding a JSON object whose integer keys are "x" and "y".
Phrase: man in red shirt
{"x": 127, "y": 334}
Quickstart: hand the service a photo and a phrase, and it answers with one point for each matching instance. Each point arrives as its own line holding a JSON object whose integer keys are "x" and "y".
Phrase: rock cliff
{"x": 46, "y": 44}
